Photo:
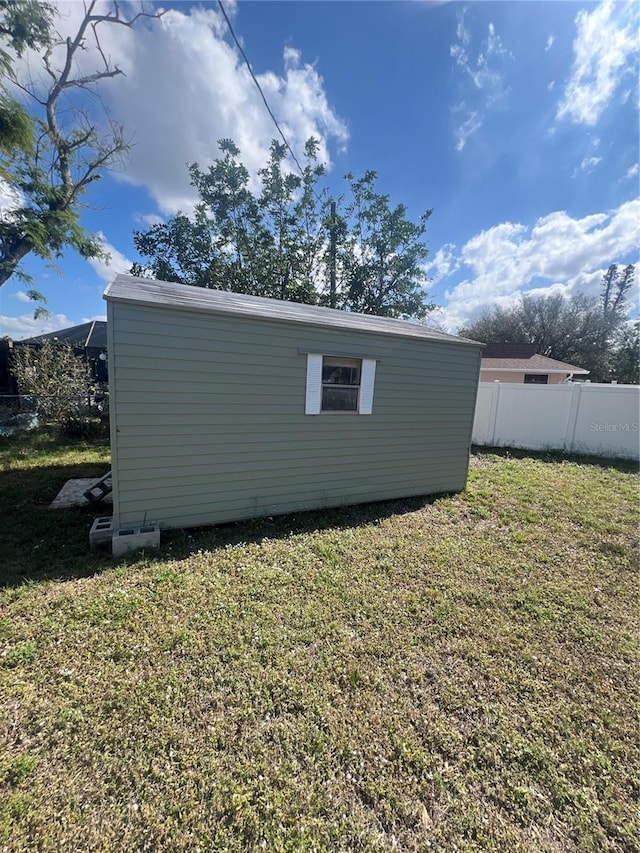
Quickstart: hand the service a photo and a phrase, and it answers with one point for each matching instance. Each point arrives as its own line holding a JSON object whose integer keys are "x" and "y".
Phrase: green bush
{"x": 55, "y": 377}
{"x": 89, "y": 427}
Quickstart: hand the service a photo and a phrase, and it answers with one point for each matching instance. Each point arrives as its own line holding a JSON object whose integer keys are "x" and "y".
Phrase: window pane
{"x": 333, "y": 375}
{"x": 341, "y": 371}
{"x": 339, "y": 399}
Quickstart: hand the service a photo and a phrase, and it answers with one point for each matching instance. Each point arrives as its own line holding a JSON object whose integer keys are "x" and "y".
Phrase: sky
{"x": 516, "y": 122}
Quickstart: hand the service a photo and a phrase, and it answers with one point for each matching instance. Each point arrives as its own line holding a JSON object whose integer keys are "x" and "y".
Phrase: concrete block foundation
{"x": 127, "y": 539}
{"x": 101, "y": 532}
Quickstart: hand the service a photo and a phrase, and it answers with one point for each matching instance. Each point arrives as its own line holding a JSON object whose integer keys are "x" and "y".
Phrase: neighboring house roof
{"x": 90, "y": 335}
{"x": 125, "y": 288}
{"x": 535, "y": 364}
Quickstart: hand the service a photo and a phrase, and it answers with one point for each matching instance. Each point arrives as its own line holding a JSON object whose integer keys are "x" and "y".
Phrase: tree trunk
{"x": 12, "y": 258}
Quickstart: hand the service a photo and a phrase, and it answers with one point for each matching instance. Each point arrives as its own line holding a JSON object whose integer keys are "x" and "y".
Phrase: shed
{"x": 225, "y": 406}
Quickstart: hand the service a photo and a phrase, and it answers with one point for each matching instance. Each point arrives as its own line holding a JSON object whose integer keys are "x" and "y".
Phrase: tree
{"x": 24, "y": 24}
{"x": 266, "y": 244}
{"x": 582, "y": 330}
{"x": 180, "y": 250}
{"x": 54, "y": 375}
{"x": 293, "y": 223}
{"x": 68, "y": 150}
{"x": 625, "y": 361}
{"x": 615, "y": 287}
{"x": 276, "y": 242}
{"x": 381, "y": 255}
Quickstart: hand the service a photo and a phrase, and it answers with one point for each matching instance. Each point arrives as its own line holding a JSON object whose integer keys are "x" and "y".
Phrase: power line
{"x": 253, "y": 77}
{"x": 332, "y": 227}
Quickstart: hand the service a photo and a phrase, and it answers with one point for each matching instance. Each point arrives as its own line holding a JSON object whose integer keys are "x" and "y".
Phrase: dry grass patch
{"x": 451, "y": 675}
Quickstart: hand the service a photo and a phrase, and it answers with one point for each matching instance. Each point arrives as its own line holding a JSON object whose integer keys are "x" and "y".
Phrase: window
{"x": 340, "y": 384}
{"x": 536, "y": 378}
{"x": 337, "y": 384}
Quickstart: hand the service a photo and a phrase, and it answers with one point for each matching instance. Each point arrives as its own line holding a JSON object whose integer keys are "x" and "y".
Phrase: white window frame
{"x": 313, "y": 400}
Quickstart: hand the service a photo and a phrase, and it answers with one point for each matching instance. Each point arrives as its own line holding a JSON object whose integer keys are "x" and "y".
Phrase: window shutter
{"x": 314, "y": 384}
{"x": 367, "y": 380}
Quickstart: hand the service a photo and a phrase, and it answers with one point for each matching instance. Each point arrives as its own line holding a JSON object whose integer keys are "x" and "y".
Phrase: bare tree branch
{"x": 80, "y": 82}
{"x": 69, "y": 151}
{"x": 30, "y": 91}
{"x": 116, "y": 19}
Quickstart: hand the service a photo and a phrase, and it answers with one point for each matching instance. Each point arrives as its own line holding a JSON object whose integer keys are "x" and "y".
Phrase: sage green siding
{"x": 208, "y": 421}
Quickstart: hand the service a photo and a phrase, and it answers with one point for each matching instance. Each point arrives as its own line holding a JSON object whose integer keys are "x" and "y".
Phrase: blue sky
{"x": 517, "y": 122}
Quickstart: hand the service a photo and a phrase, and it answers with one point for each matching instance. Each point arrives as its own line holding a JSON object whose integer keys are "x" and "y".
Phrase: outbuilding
{"x": 225, "y": 406}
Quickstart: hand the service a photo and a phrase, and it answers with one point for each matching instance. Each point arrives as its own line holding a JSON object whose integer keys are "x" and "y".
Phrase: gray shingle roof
{"x": 91, "y": 334}
{"x": 535, "y": 364}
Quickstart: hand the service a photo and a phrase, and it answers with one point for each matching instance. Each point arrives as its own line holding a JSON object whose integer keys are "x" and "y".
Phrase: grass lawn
{"x": 456, "y": 674}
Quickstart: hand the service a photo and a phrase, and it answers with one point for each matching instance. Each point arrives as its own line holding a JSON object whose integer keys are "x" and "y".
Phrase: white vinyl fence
{"x": 577, "y": 418}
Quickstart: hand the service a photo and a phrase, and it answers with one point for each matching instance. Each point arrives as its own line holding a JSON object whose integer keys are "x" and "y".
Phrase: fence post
{"x": 572, "y": 419}
{"x": 493, "y": 419}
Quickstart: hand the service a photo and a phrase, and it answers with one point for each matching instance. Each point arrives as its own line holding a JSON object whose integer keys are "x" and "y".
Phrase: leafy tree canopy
{"x": 625, "y": 358}
{"x": 23, "y": 24}
{"x": 275, "y": 240}
{"x": 381, "y": 255}
{"x": 591, "y": 332}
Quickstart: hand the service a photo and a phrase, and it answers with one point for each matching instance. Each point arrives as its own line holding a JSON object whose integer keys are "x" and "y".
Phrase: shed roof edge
{"x": 132, "y": 290}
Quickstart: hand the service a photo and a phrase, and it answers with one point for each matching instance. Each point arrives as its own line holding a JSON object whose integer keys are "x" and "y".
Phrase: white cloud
{"x": 584, "y": 282}
{"x": 603, "y": 53}
{"x": 462, "y": 33}
{"x": 149, "y": 219}
{"x": 443, "y": 264}
{"x": 25, "y": 326}
{"x": 481, "y": 73}
{"x": 485, "y": 73}
{"x": 587, "y": 165}
{"x": 632, "y": 172}
{"x": 550, "y": 42}
{"x": 186, "y": 86}
{"x": 472, "y": 122}
{"x": 21, "y": 296}
{"x": 10, "y": 198}
{"x": 551, "y": 86}
{"x": 117, "y": 262}
{"x": 558, "y": 250}
{"x": 624, "y": 97}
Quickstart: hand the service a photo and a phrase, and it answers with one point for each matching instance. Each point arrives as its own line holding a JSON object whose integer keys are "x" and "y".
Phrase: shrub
{"x": 55, "y": 376}
{"x": 89, "y": 427}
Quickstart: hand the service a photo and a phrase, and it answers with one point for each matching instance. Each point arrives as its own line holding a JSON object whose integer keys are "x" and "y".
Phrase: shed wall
{"x": 208, "y": 420}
